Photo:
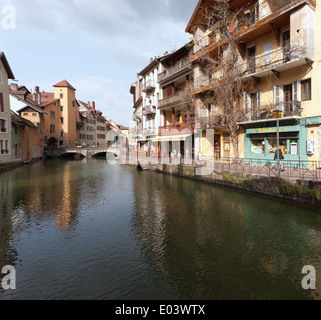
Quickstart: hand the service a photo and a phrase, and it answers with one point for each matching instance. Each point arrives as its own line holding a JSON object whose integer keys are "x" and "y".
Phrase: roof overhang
{"x": 7, "y": 66}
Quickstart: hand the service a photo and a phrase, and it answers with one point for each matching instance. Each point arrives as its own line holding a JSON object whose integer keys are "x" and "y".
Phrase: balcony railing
{"x": 290, "y": 109}
{"x": 177, "y": 98}
{"x": 274, "y": 59}
{"x": 137, "y": 115}
{"x": 263, "y": 11}
{"x": 176, "y": 128}
{"x": 150, "y": 110}
{"x": 149, "y": 85}
{"x": 181, "y": 65}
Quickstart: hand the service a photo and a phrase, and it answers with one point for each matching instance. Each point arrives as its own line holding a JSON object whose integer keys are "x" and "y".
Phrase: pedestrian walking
{"x": 281, "y": 158}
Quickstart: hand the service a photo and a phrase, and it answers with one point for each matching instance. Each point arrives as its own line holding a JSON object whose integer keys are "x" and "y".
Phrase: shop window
{"x": 306, "y": 90}
{"x": 257, "y": 145}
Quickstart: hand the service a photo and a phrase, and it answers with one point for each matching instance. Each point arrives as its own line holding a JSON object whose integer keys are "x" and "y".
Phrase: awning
{"x": 172, "y": 138}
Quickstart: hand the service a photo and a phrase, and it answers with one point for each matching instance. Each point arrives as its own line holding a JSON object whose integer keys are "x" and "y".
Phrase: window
{"x": 251, "y": 17}
{"x": 62, "y": 133}
{"x": 26, "y": 114}
{"x": 61, "y": 109}
{"x": 73, "y": 104}
{"x": 52, "y": 115}
{"x": 4, "y": 147}
{"x": 61, "y": 95}
{"x": 3, "y": 126}
{"x": 34, "y": 114}
{"x": 306, "y": 90}
{"x": 52, "y": 128}
{"x": 62, "y": 120}
{"x": 1, "y": 102}
{"x": 257, "y": 144}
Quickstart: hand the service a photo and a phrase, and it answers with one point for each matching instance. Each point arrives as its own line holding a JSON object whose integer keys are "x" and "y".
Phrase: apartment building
{"x": 150, "y": 98}
{"x": 278, "y": 50}
{"x": 5, "y": 115}
{"x": 87, "y": 126}
{"x": 136, "y": 130}
{"x": 175, "y": 105}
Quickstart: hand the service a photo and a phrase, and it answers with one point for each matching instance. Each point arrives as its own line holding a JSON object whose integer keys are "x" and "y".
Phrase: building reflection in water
{"x": 211, "y": 243}
{"x": 36, "y": 195}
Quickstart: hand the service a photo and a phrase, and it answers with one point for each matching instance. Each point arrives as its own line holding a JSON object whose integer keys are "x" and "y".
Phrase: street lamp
{"x": 277, "y": 113}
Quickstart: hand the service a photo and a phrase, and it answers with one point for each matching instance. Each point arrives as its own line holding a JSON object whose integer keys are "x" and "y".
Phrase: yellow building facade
{"x": 66, "y": 93}
{"x": 279, "y": 57}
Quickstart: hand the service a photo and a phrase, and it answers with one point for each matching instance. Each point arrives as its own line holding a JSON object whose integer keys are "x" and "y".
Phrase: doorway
{"x": 251, "y": 63}
{"x": 286, "y": 46}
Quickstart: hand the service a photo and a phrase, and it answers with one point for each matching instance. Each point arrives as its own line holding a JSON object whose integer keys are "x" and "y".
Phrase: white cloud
{"x": 98, "y": 46}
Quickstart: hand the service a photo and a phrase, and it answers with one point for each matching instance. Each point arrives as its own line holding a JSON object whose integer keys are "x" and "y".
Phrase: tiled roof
{"x": 64, "y": 84}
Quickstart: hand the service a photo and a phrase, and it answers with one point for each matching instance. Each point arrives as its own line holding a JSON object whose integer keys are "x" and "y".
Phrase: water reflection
{"x": 216, "y": 244}
{"x": 87, "y": 230}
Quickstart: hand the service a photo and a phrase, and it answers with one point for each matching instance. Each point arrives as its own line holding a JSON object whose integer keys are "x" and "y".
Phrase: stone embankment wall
{"x": 295, "y": 190}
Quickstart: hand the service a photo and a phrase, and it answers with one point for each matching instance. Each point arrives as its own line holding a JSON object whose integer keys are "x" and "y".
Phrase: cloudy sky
{"x": 99, "y": 46}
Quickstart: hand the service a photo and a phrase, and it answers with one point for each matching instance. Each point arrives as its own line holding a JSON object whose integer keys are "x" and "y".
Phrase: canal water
{"x": 89, "y": 230}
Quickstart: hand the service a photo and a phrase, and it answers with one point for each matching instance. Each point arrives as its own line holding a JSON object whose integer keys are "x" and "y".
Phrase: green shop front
{"x": 261, "y": 139}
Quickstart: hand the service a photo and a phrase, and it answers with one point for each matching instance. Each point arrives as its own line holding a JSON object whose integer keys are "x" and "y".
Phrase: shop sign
{"x": 272, "y": 130}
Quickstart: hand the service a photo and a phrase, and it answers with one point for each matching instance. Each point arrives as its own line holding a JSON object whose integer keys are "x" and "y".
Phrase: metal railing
{"x": 179, "y": 66}
{"x": 247, "y": 167}
{"x": 178, "y": 127}
{"x": 248, "y": 21}
{"x": 273, "y": 59}
{"x": 149, "y": 85}
{"x": 150, "y": 110}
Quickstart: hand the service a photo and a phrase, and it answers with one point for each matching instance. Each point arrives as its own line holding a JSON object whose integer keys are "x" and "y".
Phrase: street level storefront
{"x": 261, "y": 140}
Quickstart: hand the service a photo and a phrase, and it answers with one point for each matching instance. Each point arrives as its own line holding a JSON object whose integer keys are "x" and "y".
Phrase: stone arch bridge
{"x": 82, "y": 152}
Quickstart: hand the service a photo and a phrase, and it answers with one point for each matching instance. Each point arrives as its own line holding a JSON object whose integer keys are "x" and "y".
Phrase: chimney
{"x": 37, "y": 96}
{"x": 14, "y": 86}
{"x": 94, "y": 106}
{"x": 89, "y": 106}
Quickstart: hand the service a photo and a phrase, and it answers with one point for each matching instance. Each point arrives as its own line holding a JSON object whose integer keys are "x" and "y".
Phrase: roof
{"x": 47, "y": 98}
{"x": 21, "y": 122}
{"x": 64, "y": 84}
{"x": 6, "y": 65}
{"x": 152, "y": 65}
{"x": 182, "y": 52}
{"x": 28, "y": 100}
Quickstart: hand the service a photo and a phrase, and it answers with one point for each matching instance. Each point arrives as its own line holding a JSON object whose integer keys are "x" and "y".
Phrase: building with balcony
{"x": 150, "y": 97}
{"x": 136, "y": 130}
{"x": 279, "y": 63}
{"x": 5, "y": 115}
{"x": 175, "y": 105}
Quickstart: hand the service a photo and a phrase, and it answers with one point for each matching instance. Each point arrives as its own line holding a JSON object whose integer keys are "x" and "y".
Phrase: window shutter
{"x": 267, "y": 52}
{"x": 246, "y": 101}
{"x": 277, "y": 95}
{"x": 259, "y": 102}
{"x": 295, "y": 91}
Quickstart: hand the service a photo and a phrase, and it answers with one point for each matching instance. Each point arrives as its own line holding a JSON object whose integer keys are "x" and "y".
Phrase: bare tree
{"x": 224, "y": 72}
